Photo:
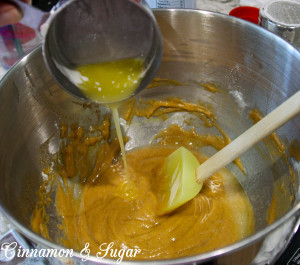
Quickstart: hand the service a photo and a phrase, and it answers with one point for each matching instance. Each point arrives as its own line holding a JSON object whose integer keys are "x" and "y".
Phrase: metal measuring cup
{"x": 80, "y": 32}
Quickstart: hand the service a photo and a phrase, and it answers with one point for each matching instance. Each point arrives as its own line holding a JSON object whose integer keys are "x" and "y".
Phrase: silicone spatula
{"x": 180, "y": 186}
{"x": 184, "y": 178}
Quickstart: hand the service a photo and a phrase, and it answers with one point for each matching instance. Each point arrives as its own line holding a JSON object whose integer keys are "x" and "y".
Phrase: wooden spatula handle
{"x": 257, "y": 132}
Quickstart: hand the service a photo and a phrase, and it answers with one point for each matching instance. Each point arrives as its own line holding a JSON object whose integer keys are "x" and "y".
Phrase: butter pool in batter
{"x": 95, "y": 206}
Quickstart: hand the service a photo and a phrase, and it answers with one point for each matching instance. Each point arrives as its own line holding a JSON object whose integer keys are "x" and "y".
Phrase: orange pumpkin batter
{"x": 97, "y": 204}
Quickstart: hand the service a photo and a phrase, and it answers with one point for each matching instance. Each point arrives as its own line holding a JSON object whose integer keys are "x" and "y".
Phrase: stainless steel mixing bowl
{"x": 255, "y": 68}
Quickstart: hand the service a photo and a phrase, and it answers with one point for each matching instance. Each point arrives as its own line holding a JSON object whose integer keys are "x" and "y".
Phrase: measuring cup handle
{"x": 32, "y": 17}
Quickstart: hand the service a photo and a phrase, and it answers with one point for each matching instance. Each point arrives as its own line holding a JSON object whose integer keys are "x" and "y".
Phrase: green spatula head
{"x": 180, "y": 186}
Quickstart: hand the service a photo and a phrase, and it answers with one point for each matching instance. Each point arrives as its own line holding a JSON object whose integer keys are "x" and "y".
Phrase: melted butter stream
{"x": 113, "y": 82}
{"x": 91, "y": 190}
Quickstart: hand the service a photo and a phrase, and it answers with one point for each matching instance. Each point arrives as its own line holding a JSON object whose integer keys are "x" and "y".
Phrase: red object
{"x": 21, "y": 32}
{"x": 248, "y": 13}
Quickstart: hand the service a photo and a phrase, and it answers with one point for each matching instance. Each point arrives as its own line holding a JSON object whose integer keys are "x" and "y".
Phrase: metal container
{"x": 85, "y": 32}
{"x": 254, "y": 68}
{"x": 103, "y": 32}
{"x": 282, "y": 18}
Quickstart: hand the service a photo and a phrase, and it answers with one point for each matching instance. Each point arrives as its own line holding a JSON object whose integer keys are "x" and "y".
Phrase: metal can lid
{"x": 282, "y": 18}
{"x": 283, "y": 12}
